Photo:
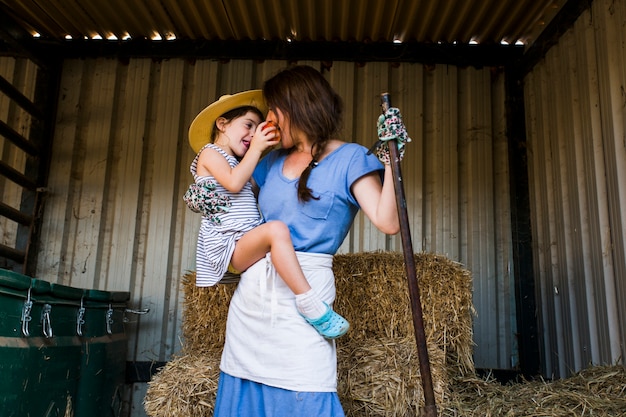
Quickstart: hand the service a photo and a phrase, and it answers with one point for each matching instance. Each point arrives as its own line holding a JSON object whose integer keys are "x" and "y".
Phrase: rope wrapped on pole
{"x": 395, "y": 147}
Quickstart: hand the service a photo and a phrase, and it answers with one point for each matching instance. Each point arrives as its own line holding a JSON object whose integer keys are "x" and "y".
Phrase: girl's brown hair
{"x": 232, "y": 115}
{"x": 312, "y": 107}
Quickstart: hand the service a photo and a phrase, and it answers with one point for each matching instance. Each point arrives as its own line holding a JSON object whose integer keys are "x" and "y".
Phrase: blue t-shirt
{"x": 319, "y": 225}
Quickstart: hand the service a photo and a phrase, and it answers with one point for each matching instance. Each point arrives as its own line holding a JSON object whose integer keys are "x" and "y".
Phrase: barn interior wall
{"x": 114, "y": 218}
{"x": 575, "y": 108}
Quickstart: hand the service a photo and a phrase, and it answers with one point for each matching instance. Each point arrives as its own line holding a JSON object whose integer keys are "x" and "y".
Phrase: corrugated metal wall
{"x": 482, "y": 21}
{"x": 114, "y": 218}
{"x": 576, "y": 114}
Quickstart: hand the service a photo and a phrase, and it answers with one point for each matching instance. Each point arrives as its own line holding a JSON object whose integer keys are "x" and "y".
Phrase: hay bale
{"x": 204, "y": 315}
{"x": 381, "y": 377}
{"x": 187, "y": 384}
{"x": 185, "y": 387}
{"x": 372, "y": 293}
{"x": 598, "y": 391}
{"x": 378, "y": 369}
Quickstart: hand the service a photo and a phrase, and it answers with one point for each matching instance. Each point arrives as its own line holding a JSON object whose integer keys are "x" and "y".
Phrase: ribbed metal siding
{"x": 577, "y": 157}
{"x": 448, "y": 21}
{"x": 114, "y": 218}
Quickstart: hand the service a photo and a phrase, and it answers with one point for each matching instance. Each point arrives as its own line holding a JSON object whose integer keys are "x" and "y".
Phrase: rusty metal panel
{"x": 577, "y": 162}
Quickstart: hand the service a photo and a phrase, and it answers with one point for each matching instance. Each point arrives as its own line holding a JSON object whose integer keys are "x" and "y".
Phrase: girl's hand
{"x": 265, "y": 136}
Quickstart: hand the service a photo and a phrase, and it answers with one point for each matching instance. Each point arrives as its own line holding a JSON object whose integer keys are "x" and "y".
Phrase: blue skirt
{"x": 243, "y": 398}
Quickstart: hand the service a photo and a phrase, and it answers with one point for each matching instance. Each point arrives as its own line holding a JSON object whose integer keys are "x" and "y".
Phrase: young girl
{"x": 238, "y": 139}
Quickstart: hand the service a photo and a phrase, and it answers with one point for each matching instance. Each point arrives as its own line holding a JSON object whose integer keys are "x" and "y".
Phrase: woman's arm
{"x": 378, "y": 201}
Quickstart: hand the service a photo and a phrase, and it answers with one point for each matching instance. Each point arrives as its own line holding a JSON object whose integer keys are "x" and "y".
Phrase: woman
{"x": 238, "y": 237}
{"x": 273, "y": 364}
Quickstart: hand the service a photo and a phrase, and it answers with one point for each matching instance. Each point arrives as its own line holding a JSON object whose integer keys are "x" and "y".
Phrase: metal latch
{"x": 134, "y": 311}
{"x": 26, "y": 318}
{"x": 80, "y": 318}
{"x": 109, "y": 320}
{"x": 46, "y": 325}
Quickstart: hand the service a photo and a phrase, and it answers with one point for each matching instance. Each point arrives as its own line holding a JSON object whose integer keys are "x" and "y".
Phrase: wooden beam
{"x": 12, "y": 254}
{"x": 19, "y": 98}
{"x": 15, "y": 215}
{"x": 17, "y": 177}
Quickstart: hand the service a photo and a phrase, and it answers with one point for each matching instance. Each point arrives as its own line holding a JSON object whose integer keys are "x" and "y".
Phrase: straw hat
{"x": 202, "y": 126}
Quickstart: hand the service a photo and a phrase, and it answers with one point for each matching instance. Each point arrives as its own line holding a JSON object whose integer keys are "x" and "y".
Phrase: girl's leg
{"x": 271, "y": 237}
{"x": 274, "y": 237}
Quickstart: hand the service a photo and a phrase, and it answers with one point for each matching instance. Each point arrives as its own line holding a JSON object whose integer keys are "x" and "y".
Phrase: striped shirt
{"x": 216, "y": 242}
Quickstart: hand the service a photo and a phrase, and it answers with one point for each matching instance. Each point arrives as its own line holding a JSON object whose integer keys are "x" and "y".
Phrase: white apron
{"x": 268, "y": 341}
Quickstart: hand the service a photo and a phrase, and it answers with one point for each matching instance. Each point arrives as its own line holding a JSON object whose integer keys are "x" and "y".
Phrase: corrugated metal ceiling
{"x": 445, "y": 21}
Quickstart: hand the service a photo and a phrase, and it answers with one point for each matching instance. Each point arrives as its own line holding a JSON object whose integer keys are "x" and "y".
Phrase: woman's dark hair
{"x": 312, "y": 107}
{"x": 233, "y": 114}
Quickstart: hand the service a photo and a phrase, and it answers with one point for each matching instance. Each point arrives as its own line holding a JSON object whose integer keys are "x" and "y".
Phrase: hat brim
{"x": 202, "y": 126}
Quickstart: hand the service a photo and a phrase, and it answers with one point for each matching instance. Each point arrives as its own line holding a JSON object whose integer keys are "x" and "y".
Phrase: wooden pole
{"x": 430, "y": 407}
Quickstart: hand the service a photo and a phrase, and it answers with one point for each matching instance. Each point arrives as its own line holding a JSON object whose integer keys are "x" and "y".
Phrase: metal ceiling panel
{"x": 429, "y": 21}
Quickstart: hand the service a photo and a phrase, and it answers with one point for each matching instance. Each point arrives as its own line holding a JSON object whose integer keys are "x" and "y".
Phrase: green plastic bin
{"x": 62, "y": 349}
{"x": 103, "y": 359}
{"x": 39, "y": 350}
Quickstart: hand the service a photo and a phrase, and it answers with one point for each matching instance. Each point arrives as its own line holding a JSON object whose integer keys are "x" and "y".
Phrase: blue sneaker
{"x": 330, "y": 325}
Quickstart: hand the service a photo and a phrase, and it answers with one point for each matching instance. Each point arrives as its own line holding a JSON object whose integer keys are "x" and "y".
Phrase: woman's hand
{"x": 390, "y": 128}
